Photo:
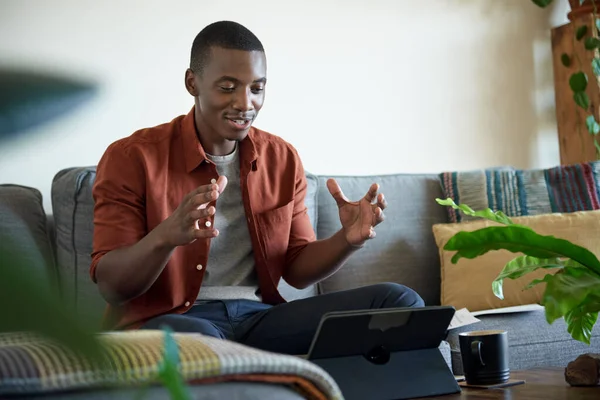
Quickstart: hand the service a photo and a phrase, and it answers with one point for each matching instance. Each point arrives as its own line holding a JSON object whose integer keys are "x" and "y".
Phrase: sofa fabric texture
{"x": 24, "y": 238}
{"x": 404, "y": 251}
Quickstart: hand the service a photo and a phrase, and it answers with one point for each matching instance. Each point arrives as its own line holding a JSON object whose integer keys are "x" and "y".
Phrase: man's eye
{"x": 227, "y": 89}
{"x": 257, "y": 90}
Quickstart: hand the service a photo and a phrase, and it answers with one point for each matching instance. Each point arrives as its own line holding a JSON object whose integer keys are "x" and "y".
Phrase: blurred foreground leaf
{"x": 29, "y": 304}
{"x": 169, "y": 369}
{"x": 30, "y": 98}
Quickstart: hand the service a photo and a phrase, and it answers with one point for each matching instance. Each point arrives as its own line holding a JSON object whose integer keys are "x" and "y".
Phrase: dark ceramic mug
{"x": 485, "y": 357}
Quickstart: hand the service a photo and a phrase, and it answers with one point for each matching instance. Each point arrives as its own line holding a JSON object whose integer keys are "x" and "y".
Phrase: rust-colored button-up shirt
{"x": 141, "y": 180}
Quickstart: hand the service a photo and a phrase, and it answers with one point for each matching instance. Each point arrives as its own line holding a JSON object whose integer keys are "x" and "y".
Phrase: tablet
{"x": 363, "y": 332}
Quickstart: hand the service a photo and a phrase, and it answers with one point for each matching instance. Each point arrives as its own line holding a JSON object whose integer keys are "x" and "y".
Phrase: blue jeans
{"x": 285, "y": 328}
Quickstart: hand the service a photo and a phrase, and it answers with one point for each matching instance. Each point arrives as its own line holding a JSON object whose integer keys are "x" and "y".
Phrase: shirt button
{"x": 199, "y": 267}
{"x": 213, "y": 180}
{"x": 208, "y": 224}
{"x": 187, "y": 303}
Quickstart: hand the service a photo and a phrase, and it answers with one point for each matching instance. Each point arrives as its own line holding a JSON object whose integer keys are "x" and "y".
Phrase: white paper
{"x": 508, "y": 310}
{"x": 462, "y": 317}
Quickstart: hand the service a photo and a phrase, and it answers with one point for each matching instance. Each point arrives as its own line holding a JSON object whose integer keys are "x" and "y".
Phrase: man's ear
{"x": 191, "y": 83}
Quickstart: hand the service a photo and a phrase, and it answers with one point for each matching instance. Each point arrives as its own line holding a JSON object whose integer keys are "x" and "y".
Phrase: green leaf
{"x": 169, "y": 369}
{"x": 598, "y": 24}
{"x": 580, "y": 324}
{"x": 542, "y": 3}
{"x": 592, "y": 126}
{"x": 582, "y": 100}
{"x": 518, "y": 239}
{"x": 520, "y": 266}
{"x": 572, "y": 264}
{"x": 596, "y": 66}
{"x": 565, "y": 59}
{"x": 497, "y": 216}
{"x": 581, "y": 31}
{"x": 568, "y": 289}
{"x": 591, "y": 43}
{"x": 578, "y": 82}
{"x": 535, "y": 282}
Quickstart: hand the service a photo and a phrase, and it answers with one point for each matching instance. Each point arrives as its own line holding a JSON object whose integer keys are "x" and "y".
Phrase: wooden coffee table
{"x": 540, "y": 383}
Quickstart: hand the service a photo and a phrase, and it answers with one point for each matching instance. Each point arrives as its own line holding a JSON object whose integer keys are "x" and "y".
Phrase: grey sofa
{"x": 404, "y": 251}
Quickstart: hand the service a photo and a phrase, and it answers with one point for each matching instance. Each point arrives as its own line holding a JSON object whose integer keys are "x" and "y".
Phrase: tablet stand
{"x": 387, "y": 353}
{"x": 407, "y": 374}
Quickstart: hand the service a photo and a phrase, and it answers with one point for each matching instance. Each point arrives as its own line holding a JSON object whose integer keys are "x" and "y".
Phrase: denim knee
{"x": 398, "y": 295}
{"x": 183, "y": 323}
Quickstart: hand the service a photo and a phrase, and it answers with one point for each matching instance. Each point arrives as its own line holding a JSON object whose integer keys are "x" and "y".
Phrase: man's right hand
{"x": 187, "y": 223}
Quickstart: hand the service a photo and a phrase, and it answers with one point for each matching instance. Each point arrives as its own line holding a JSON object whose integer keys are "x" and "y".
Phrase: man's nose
{"x": 243, "y": 101}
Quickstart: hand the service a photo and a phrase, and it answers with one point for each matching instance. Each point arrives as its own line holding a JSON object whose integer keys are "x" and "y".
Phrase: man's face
{"x": 231, "y": 91}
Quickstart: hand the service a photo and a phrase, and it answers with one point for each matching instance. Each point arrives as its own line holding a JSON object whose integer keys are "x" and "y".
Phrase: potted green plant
{"x": 587, "y": 32}
{"x": 572, "y": 291}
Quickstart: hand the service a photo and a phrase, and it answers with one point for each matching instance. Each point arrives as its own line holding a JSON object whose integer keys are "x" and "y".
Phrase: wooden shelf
{"x": 576, "y": 143}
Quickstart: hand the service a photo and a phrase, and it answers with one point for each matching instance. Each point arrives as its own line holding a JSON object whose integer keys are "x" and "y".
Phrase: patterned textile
{"x": 32, "y": 364}
{"x": 525, "y": 192}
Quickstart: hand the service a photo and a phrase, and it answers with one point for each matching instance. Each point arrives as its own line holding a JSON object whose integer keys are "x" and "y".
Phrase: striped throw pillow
{"x": 562, "y": 189}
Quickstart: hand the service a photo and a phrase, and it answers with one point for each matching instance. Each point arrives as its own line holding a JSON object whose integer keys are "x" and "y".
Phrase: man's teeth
{"x": 240, "y": 121}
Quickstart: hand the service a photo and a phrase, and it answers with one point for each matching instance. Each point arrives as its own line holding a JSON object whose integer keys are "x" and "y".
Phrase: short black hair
{"x": 225, "y": 34}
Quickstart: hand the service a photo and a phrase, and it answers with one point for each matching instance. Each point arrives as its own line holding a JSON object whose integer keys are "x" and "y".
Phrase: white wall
{"x": 358, "y": 86}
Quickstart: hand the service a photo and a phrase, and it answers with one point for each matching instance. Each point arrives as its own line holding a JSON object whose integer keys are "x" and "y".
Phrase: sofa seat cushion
{"x": 31, "y": 364}
{"x": 404, "y": 250}
{"x": 532, "y": 341}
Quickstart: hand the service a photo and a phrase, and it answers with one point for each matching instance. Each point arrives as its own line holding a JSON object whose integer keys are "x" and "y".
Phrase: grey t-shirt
{"x": 230, "y": 273}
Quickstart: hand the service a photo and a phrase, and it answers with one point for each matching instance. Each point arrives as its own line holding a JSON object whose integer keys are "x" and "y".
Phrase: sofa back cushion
{"x": 73, "y": 207}
{"x": 404, "y": 250}
{"x": 288, "y": 292}
{"x": 73, "y": 212}
{"x": 24, "y": 235}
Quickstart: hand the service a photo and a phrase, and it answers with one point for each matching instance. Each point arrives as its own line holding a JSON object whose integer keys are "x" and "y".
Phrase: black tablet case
{"x": 385, "y": 354}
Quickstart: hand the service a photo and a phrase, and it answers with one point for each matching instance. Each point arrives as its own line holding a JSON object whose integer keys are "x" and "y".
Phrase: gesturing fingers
{"x": 201, "y": 199}
{"x": 197, "y": 214}
{"x": 381, "y": 202}
{"x": 222, "y": 183}
{"x": 372, "y": 193}
{"x": 201, "y": 226}
{"x": 379, "y": 216}
{"x": 204, "y": 233}
{"x": 336, "y": 192}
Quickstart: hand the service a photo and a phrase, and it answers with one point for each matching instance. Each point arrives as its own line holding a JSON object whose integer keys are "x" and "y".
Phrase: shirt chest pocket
{"x": 274, "y": 231}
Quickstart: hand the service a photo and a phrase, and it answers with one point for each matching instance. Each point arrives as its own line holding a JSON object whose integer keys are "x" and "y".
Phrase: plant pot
{"x": 586, "y": 8}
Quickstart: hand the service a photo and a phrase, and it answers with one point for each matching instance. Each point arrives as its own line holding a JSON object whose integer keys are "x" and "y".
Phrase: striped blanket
{"x": 517, "y": 193}
{"x": 32, "y": 364}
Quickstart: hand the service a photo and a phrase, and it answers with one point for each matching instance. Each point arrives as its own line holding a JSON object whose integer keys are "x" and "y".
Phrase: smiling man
{"x": 196, "y": 220}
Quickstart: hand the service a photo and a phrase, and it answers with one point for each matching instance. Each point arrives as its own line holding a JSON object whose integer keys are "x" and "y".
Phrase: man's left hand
{"x": 358, "y": 218}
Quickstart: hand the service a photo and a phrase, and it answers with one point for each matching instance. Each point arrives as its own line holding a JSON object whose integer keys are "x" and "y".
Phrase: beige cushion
{"x": 468, "y": 283}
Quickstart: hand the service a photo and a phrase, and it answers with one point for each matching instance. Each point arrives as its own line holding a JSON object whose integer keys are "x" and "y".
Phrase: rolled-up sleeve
{"x": 119, "y": 202}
